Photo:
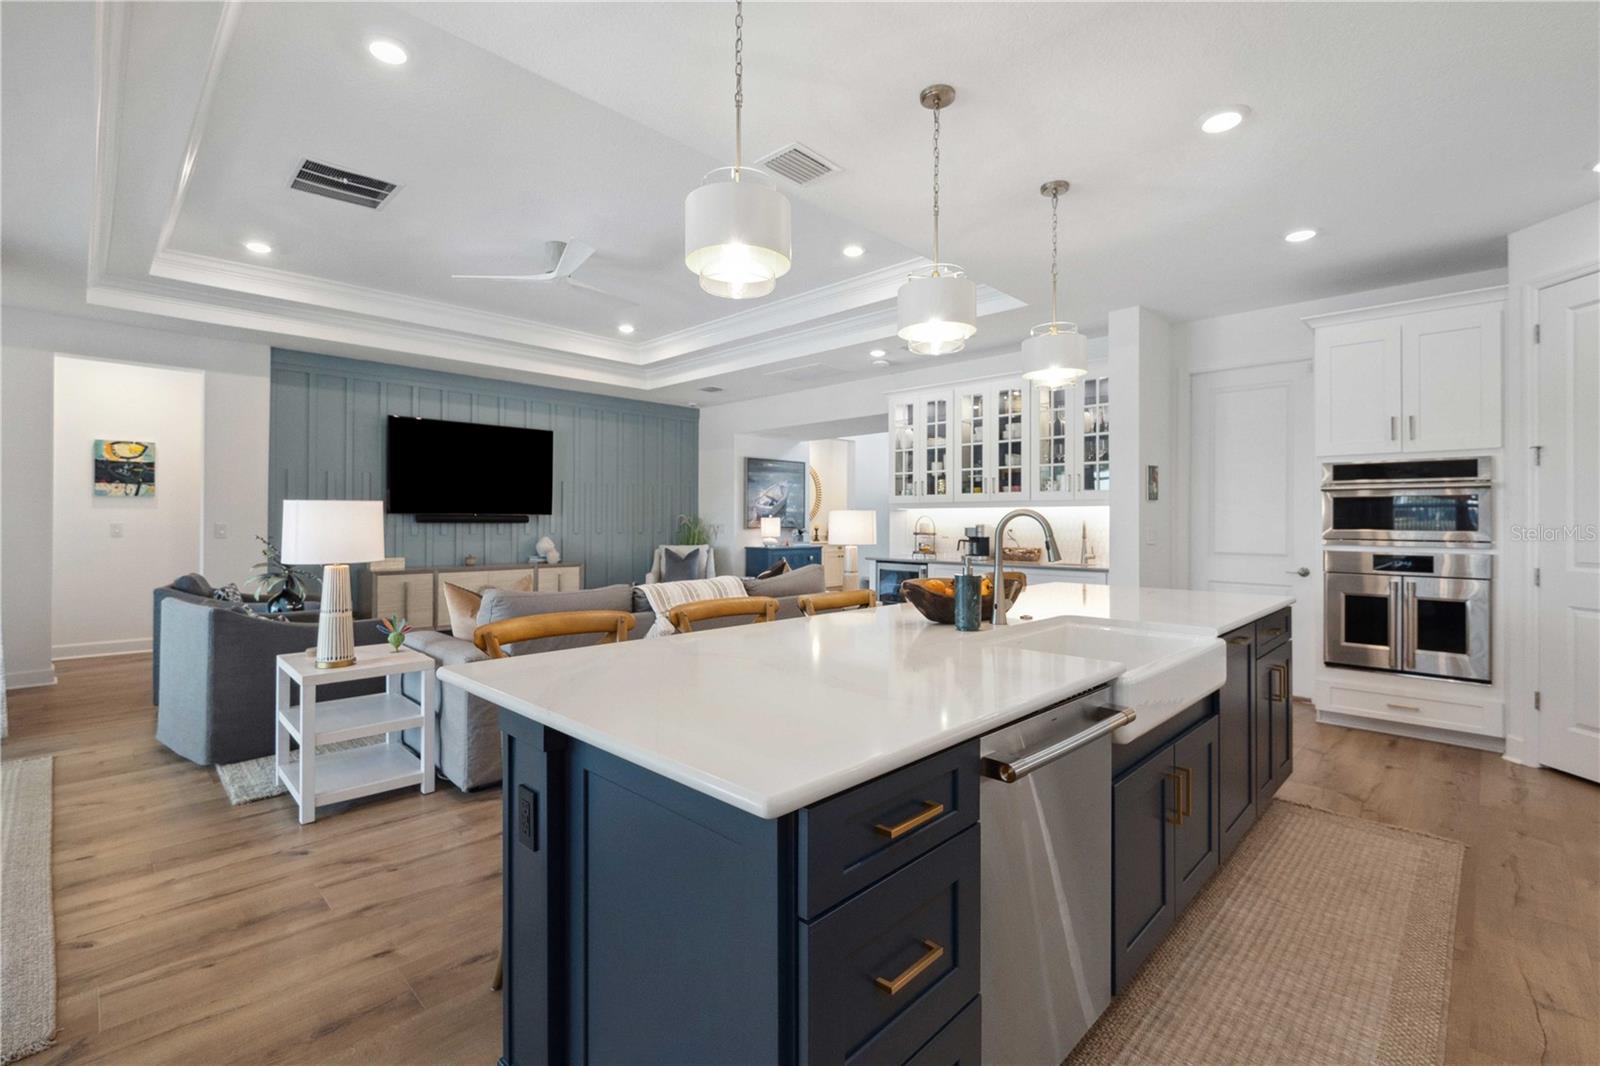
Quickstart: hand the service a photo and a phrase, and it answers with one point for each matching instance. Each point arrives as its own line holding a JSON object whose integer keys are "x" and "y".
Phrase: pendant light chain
{"x": 738, "y": 88}
{"x": 1055, "y": 223}
{"x": 936, "y": 191}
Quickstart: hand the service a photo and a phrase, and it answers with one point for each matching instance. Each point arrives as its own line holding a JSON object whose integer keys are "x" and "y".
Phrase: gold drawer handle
{"x": 930, "y": 811}
{"x": 912, "y": 972}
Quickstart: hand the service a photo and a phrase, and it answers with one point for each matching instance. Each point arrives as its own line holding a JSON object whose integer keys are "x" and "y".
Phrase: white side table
{"x": 336, "y": 776}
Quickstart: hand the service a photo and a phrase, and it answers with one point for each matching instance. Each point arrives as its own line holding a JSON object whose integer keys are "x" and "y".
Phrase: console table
{"x": 417, "y": 594}
{"x": 831, "y": 556}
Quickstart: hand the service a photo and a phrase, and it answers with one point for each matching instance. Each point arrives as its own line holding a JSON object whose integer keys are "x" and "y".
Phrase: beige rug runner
{"x": 27, "y": 919}
{"x": 257, "y": 779}
{"x": 1323, "y": 940}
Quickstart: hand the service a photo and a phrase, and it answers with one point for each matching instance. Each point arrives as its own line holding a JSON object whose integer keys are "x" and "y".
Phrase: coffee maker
{"x": 976, "y": 542}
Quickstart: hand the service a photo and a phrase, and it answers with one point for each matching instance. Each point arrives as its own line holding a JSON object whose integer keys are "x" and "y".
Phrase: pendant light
{"x": 1057, "y": 345}
{"x": 736, "y": 224}
{"x": 938, "y": 307}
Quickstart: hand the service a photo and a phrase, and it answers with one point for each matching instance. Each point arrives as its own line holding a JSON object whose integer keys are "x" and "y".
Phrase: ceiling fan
{"x": 568, "y": 256}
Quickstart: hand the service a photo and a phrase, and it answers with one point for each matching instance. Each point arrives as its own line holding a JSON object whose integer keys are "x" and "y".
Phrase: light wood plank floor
{"x": 190, "y": 931}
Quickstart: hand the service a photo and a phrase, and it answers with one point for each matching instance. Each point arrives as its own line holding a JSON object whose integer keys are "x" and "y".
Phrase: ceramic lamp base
{"x": 336, "y": 635}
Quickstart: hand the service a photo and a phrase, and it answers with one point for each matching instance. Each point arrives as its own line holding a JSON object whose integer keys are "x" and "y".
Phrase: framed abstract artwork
{"x": 124, "y": 468}
{"x": 774, "y": 488}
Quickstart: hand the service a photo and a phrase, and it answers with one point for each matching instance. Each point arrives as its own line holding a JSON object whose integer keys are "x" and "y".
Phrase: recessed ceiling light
{"x": 1298, "y": 235}
{"x": 877, "y": 353}
{"x": 880, "y": 363}
{"x": 693, "y": 404}
{"x": 258, "y": 247}
{"x": 1597, "y": 168}
{"x": 624, "y": 327}
{"x": 387, "y": 52}
{"x": 854, "y": 251}
{"x": 1224, "y": 120}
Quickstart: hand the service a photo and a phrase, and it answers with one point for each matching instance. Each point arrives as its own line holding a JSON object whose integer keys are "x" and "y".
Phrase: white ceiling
{"x": 1412, "y": 136}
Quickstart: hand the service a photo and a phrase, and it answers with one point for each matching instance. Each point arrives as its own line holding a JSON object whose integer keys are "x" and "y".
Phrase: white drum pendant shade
{"x": 736, "y": 236}
{"x": 938, "y": 312}
{"x": 1060, "y": 354}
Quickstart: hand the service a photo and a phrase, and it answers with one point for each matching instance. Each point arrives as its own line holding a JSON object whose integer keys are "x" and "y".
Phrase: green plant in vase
{"x": 283, "y": 587}
{"x": 692, "y": 529}
{"x": 395, "y": 629}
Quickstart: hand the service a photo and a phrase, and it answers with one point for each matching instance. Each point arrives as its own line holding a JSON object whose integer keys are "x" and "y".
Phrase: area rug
{"x": 27, "y": 918}
{"x": 256, "y": 779}
{"x": 1324, "y": 939}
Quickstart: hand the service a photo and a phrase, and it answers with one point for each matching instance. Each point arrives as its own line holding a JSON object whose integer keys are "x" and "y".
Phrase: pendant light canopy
{"x": 938, "y": 307}
{"x": 736, "y": 235}
{"x": 1056, "y": 347}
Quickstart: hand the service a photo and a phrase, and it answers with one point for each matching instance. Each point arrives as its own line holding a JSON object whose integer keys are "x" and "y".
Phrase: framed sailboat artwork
{"x": 774, "y": 488}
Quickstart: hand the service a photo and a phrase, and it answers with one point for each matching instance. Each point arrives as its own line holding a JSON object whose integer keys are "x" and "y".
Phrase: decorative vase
{"x": 286, "y": 600}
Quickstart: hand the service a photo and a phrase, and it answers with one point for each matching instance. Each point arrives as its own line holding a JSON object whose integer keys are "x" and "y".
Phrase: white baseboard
{"x": 30, "y": 678}
{"x": 94, "y": 648}
{"x": 1419, "y": 732}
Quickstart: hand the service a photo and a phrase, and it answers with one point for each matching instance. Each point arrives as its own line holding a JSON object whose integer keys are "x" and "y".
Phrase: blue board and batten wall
{"x": 623, "y": 470}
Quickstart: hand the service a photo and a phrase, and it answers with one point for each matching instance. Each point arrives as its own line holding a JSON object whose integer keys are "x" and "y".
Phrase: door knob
{"x": 1304, "y": 571}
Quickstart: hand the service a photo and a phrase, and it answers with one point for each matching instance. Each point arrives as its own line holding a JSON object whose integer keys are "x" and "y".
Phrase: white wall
{"x": 1540, "y": 255}
{"x": 1142, "y": 366}
{"x": 869, "y": 485}
{"x": 109, "y": 552}
{"x": 831, "y": 459}
{"x": 237, "y": 397}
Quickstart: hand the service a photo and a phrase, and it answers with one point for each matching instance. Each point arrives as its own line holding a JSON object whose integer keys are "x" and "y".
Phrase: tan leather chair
{"x": 823, "y": 602}
{"x": 686, "y": 616}
{"x": 612, "y": 627}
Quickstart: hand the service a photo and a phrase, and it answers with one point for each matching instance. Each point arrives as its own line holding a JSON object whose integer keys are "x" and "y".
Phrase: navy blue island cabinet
{"x": 646, "y": 922}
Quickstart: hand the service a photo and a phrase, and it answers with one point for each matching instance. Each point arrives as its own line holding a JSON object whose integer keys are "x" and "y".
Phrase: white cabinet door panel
{"x": 1451, "y": 373}
{"x": 1358, "y": 388}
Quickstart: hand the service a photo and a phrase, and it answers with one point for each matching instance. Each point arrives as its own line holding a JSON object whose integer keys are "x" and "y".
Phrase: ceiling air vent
{"x": 344, "y": 185}
{"x": 712, "y": 388}
{"x": 798, "y": 163}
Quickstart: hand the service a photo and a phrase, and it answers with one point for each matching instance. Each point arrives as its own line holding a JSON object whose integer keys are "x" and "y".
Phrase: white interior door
{"x": 1568, "y": 512}
{"x": 1253, "y": 505}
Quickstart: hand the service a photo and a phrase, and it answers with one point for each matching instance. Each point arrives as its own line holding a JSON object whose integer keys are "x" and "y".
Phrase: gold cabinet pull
{"x": 1175, "y": 815}
{"x": 912, "y": 972}
{"x": 930, "y": 811}
{"x": 1188, "y": 790}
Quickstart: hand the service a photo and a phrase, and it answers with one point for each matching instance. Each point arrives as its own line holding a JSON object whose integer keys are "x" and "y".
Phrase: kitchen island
{"x": 764, "y": 844}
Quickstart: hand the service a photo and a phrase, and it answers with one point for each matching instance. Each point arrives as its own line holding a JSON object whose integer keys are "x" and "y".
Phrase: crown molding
{"x": 1407, "y": 307}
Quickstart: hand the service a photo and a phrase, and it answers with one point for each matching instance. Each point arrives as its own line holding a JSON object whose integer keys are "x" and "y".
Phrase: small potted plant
{"x": 396, "y": 629}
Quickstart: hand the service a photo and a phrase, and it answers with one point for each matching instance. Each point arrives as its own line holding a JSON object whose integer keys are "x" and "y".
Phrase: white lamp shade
{"x": 852, "y": 527}
{"x": 1059, "y": 357}
{"x": 332, "y": 531}
{"x": 736, "y": 236}
{"x": 938, "y": 312}
{"x": 771, "y": 528}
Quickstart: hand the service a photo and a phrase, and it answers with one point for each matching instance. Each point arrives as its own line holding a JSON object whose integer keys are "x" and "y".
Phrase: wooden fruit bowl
{"x": 924, "y": 594}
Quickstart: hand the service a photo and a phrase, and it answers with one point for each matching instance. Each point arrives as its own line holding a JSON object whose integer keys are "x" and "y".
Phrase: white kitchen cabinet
{"x": 1071, "y": 438}
{"x": 990, "y": 447}
{"x": 904, "y": 481}
{"x": 935, "y": 412}
{"x": 1422, "y": 376}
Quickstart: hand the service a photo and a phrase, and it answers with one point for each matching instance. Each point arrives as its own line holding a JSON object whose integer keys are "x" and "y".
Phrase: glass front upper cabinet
{"x": 1094, "y": 455}
{"x": 936, "y": 445}
{"x": 1053, "y": 429}
{"x": 1010, "y": 414}
{"x": 903, "y": 450}
{"x": 974, "y": 424}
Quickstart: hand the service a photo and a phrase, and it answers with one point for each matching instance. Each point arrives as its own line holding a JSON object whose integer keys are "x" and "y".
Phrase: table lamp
{"x": 852, "y": 528}
{"x": 333, "y": 533}
{"x": 771, "y": 530}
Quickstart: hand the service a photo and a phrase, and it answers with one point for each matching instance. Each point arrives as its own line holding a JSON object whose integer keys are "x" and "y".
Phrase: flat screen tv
{"x": 466, "y": 472}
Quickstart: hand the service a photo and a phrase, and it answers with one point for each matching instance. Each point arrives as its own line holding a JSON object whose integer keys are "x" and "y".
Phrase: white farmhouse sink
{"x": 1165, "y": 670}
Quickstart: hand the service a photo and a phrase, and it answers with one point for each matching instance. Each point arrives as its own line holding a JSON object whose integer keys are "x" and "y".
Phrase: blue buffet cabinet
{"x": 759, "y": 560}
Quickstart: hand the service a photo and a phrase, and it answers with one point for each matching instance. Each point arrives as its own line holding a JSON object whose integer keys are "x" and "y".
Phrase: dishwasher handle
{"x": 1019, "y": 766}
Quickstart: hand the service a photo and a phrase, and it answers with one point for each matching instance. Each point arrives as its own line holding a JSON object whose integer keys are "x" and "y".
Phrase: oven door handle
{"x": 1410, "y": 608}
{"x": 1398, "y": 634}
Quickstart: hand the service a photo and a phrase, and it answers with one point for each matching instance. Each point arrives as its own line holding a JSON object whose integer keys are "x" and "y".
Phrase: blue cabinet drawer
{"x": 881, "y": 975}
{"x": 1272, "y": 630}
{"x": 958, "y": 1044}
{"x": 851, "y": 840}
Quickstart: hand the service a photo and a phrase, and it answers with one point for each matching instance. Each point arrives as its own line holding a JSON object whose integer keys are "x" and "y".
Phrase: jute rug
{"x": 27, "y": 919}
{"x": 256, "y": 779}
{"x": 1324, "y": 940}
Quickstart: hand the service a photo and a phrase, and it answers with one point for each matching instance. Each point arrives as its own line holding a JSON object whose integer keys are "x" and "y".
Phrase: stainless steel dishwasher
{"x": 1045, "y": 803}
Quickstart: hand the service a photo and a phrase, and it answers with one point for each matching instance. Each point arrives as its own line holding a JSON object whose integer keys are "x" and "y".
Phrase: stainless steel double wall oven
{"x": 1401, "y": 607}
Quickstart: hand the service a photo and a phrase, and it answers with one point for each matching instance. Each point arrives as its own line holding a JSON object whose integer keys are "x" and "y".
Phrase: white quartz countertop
{"x": 770, "y": 718}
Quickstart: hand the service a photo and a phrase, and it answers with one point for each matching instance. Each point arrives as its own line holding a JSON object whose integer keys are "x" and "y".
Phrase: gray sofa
{"x": 469, "y": 730}
{"x": 216, "y": 674}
